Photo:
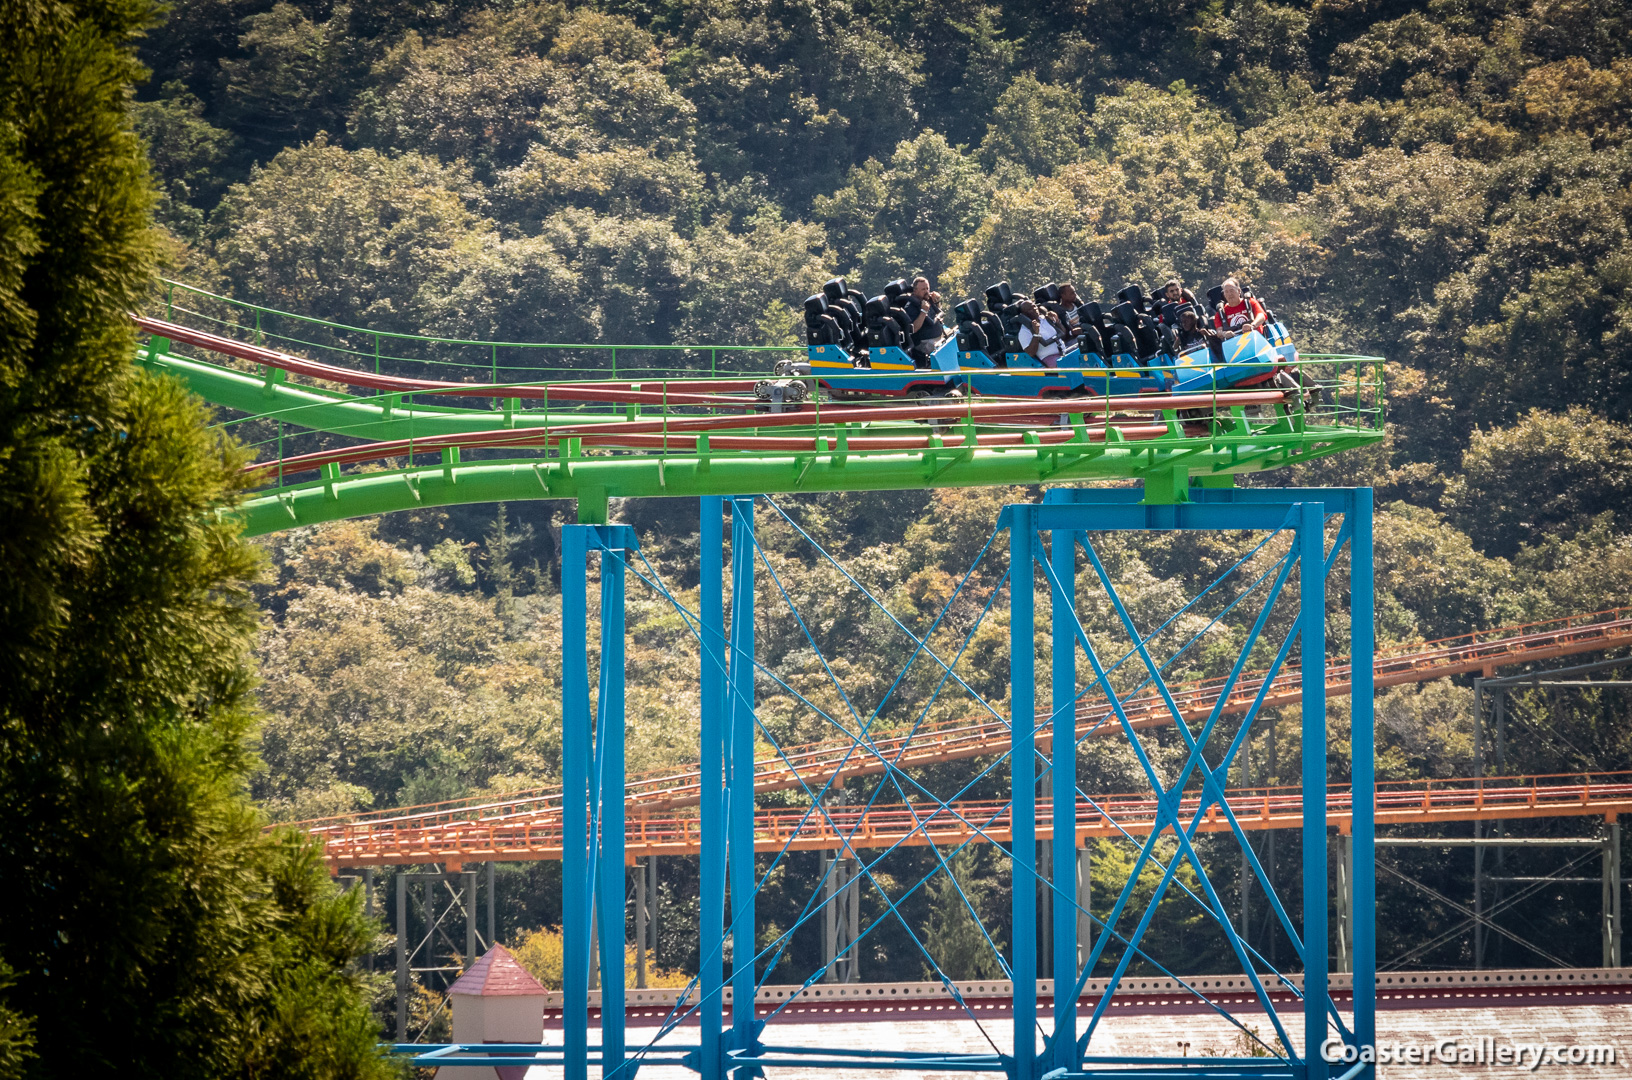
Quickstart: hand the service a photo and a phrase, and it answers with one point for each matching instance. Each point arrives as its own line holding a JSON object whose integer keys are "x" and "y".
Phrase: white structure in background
{"x": 496, "y": 1001}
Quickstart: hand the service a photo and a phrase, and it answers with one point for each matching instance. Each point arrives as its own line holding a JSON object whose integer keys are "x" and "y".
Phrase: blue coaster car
{"x": 889, "y": 372}
{"x": 1079, "y": 375}
{"x": 1281, "y": 342}
{"x": 1248, "y": 359}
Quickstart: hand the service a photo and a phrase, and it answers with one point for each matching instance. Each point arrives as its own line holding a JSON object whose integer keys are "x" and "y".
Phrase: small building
{"x": 496, "y": 1001}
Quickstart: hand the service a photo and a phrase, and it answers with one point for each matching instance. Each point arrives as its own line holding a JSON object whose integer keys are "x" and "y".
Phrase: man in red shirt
{"x": 1239, "y": 313}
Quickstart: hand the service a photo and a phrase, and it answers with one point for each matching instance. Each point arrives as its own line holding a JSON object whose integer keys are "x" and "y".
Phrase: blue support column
{"x": 711, "y": 888}
{"x": 1023, "y": 786}
{"x": 1063, "y": 729}
{"x": 609, "y": 786}
{"x": 1362, "y": 748}
{"x": 1312, "y": 619}
{"x": 576, "y": 879}
{"x": 740, "y": 853}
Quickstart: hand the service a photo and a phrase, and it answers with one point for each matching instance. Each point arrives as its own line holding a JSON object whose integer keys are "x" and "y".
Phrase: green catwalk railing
{"x": 323, "y": 453}
{"x": 493, "y": 362}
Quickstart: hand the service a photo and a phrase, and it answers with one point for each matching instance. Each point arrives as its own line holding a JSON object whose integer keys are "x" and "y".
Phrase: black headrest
{"x": 1170, "y": 312}
{"x": 1215, "y": 296}
{"x": 1126, "y": 314}
{"x": 1091, "y": 313}
{"x": 815, "y": 305}
{"x": 1048, "y": 294}
{"x": 1132, "y": 294}
{"x": 1119, "y": 339}
{"x": 968, "y": 311}
{"x": 999, "y": 296}
{"x": 1180, "y": 309}
{"x": 878, "y": 307}
{"x": 834, "y": 288}
{"x": 895, "y": 288}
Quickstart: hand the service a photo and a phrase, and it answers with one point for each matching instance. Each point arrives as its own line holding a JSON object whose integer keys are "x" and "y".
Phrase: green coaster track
{"x": 345, "y": 421}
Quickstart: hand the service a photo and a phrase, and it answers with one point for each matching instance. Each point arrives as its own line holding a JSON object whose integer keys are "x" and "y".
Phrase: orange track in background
{"x": 1483, "y": 650}
{"x": 526, "y": 826}
{"x": 534, "y": 835}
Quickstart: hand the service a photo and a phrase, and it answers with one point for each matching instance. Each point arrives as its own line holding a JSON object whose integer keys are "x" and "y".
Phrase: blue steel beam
{"x": 740, "y": 800}
{"x": 1063, "y": 743}
{"x": 1363, "y": 775}
{"x": 1312, "y": 608}
{"x": 712, "y": 858}
{"x": 609, "y": 731}
{"x": 1023, "y": 786}
{"x": 576, "y": 881}
{"x": 581, "y": 798}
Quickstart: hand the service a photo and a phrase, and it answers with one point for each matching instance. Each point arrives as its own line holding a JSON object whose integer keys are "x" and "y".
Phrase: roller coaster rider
{"x": 1069, "y": 310}
{"x": 1192, "y": 331}
{"x": 1041, "y": 334}
{"x": 1239, "y": 313}
{"x": 1174, "y": 292}
{"x": 923, "y": 309}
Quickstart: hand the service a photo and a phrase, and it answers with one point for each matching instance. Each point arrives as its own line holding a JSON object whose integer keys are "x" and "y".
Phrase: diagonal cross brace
{"x": 1166, "y": 817}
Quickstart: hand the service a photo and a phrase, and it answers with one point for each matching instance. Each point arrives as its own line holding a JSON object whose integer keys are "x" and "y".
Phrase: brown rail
{"x": 814, "y": 763}
{"x": 530, "y": 836}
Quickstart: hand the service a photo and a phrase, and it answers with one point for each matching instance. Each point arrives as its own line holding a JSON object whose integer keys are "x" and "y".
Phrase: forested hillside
{"x": 1448, "y": 185}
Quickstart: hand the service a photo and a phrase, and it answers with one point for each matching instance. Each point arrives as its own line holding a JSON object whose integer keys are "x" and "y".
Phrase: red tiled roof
{"x": 497, "y": 974}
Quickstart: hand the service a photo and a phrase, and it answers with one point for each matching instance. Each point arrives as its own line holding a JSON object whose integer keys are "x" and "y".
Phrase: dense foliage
{"x": 148, "y": 929}
{"x": 1444, "y": 184}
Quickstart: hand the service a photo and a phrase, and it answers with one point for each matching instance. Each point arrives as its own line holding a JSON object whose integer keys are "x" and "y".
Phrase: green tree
{"x": 953, "y": 938}
{"x": 1036, "y": 126}
{"x": 908, "y": 216}
{"x": 16, "y": 1031}
{"x": 475, "y": 95}
{"x": 794, "y": 92}
{"x": 187, "y": 153}
{"x": 1549, "y": 475}
{"x": 294, "y": 77}
{"x": 154, "y": 931}
{"x": 354, "y": 236}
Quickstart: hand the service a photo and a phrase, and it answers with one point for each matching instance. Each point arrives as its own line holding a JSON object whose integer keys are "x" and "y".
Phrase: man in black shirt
{"x": 924, "y": 310}
{"x": 1192, "y": 331}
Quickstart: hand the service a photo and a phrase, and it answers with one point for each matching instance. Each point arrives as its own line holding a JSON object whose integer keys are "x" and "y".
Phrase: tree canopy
{"x": 150, "y": 929}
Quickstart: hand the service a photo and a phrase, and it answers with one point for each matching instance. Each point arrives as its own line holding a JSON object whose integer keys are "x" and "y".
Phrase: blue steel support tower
{"x": 1023, "y": 785}
{"x": 711, "y": 862}
{"x": 592, "y": 770}
{"x": 1069, "y": 515}
{"x": 1069, "y": 519}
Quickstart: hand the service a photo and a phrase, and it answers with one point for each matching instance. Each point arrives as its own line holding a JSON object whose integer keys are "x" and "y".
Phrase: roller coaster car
{"x": 1129, "y": 350}
{"x": 1288, "y": 375}
{"x": 1247, "y": 360}
{"x": 993, "y": 363}
{"x": 882, "y": 368}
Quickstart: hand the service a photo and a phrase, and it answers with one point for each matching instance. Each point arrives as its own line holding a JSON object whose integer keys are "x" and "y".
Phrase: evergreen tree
{"x": 953, "y": 937}
{"x": 152, "y": 929}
